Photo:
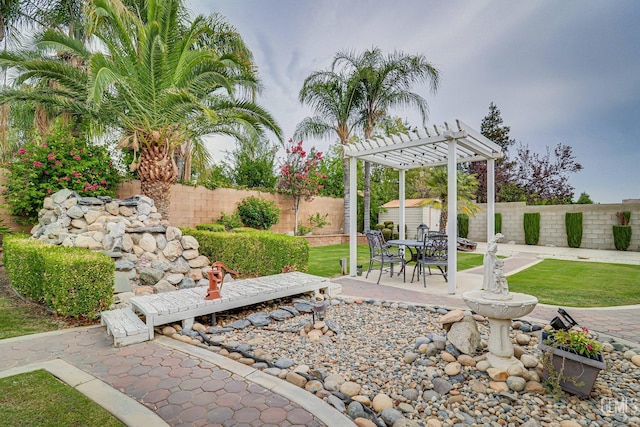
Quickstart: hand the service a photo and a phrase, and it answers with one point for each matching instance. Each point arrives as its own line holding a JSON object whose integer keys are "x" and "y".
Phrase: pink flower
{"x": 51, "y": 157}
{"x": 37, "y": 164}
{"x": 22, "y": 151}
{"x": 76, "y": 174}
{"x": 77, "y": 158}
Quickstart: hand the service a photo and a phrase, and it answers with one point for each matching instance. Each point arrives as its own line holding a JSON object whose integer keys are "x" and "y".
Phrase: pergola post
{"x": 491, "y": 199}
{"x": 452, "y": 221}
{"x": 353, "y": 216}
{"x": 401, "y": 194}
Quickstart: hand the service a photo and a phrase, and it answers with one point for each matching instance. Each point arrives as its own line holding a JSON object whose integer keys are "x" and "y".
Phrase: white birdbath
{"x": 500, "y": 306}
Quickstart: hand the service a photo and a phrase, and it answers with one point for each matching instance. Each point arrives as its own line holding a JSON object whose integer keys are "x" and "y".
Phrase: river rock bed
{"x": 390, "y": 364}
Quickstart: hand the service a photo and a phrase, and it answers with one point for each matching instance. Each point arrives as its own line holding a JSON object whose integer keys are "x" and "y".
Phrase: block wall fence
{"x": 197, "y": 205}
{"x": 597, "y": 223}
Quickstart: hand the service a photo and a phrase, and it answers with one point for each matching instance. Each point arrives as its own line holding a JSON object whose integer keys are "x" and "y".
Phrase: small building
{"x": 417, "y": 211}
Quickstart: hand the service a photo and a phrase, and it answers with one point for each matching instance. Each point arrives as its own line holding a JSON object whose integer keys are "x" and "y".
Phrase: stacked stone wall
{"x": 150, "y": 255}
{"x": 597, "y": 223}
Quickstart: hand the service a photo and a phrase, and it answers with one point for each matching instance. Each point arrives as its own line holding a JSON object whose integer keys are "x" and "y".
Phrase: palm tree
{"x": 335, "y": 99}
{"x": 433, "y": 186}
{"x": 158, "y": 80}
{"x": 386, "y": 83}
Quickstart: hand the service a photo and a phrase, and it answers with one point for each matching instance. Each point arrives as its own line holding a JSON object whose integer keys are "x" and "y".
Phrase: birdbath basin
{"x": 500, "y": 311}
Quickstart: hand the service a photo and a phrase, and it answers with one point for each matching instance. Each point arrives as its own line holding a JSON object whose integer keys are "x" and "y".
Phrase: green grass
{"x": 21, "y": 320}
{"x": 579, "y": 284}
{"x": 325, "y": 260}
{"x": 39, "y": 399}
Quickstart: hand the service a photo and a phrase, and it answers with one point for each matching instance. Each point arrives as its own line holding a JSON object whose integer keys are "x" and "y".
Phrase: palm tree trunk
{"x": 157, "y": 171}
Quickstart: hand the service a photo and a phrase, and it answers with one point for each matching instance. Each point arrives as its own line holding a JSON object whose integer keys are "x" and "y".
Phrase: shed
{"x": 417, "y": 212}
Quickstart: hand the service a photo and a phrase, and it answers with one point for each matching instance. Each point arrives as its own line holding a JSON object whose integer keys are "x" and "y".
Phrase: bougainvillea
{"x": 300, "y": 177}
{"x": 61, "y": 160}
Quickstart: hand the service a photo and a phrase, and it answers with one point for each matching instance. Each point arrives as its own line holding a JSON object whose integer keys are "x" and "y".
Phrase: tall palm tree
{"x": 157, "y": 79}
{"x": 335, "y": 99}
{"x": 386, "y": 82}
{"x": 434, "y": 186}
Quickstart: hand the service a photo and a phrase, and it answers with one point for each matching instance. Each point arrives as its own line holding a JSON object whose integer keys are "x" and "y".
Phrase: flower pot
{"x": 581, "y": 371}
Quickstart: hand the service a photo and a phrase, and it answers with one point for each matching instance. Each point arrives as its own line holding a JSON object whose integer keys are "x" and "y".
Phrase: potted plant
{"x": 571, "y": 360}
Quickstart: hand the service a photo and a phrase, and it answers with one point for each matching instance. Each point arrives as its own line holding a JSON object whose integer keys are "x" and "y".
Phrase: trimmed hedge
{"x": 463, "y": 225}
{"x": 573, "y": 225}
{"x": 531, "y": 228}
{"x": 498, "y": 223}
{"x": 253, "y": 253}
{"x": 73, "y": 281}
{"x": 622, "y": 237}
{"x": 211, "y": 227}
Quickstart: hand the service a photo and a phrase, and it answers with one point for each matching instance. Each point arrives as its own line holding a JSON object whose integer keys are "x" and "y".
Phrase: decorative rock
{"x": 523, "y": 339}
{"x": 499, "y": 386}
{"x": 199, "y": 262}
{"x": 441, "y": 386}
{"x": 569, "y": 423}
{"x": 284, "y": 363}
{"x": 452, "y": 317}
{"x": 173, "y": 233}
{"x": 259, "y": 319}
{"x": 430, "y": 396}
{"x": 338, "y": 379}
{"x": 280, "y": 315}
{"x": 411, "y": 394}
{"x": 517, "y": 370}
{"x": 189, "y": 242}
{"x": 364, "y": 422}
{"x": 163, "y": 286}
{"x": 636, "y": 360}
{"x": 173, "y": 250}
{"x": 362, "y": 399}
{"x": 355, "y": 410}
{"x": 529, "y": 361}
{"x": 447, "y": 357}
{"x": 313, "y": 386}
{"x": 147, "y": 243}
{"x": 516, "y": 383}
{"x": 433, "y": 422}
{"x": 464, "y": 335}
{"x": 466, "y": 360}
{"x": 296, "y": 379}
{"x": 483, "y": 365}
{"x": 151, "y": 276}
{"x": 350, "y": 388}
{"x": 390, "y": 416}
{"x": 410, "y": 357}
{"x": 169, "y": 331}
{"x": 241, "y": 324}
{"x": 382, "y": 402}
{"x": 405, "y": 408}
{"x": 534, "y": 387}
{"x": 477, "y": 386}
{"x": 452, "y": 368}
{"x": 336, "y": 402}
{"x": 497, "y": 374}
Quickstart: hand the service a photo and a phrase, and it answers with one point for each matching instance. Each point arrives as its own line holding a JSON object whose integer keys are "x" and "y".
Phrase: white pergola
{"x": 430, "y": 146}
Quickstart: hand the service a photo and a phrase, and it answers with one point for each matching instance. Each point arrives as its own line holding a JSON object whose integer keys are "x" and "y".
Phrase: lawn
{"x": 579, "y": 284}
{"x": 18, "y": 318}
{"x": 38, "y": 398}
{"x": 325, "y": 260}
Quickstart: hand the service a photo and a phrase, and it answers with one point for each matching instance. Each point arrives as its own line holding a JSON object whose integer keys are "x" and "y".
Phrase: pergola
{"x": 430, "y": 146}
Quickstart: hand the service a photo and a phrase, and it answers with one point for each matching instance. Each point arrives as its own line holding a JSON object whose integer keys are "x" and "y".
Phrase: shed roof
{"x": 408, "y": 203}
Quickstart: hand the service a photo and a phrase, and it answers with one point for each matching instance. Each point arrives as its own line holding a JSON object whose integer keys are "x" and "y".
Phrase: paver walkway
{"x": 182, "y": 389}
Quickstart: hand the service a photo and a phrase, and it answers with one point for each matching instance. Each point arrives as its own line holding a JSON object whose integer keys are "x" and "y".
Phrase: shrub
{"x": 498, "y": 223}
{"x": 386, "y": 233}
{"x": 388, "y": 224}
{"x": 624, "y": 217}
{"x": 73, "y": 281}
{"x": 230, "y": 221}
{"x": 463, "y": 225}
{"x": 259, "y": 213}
{"x": 573, "y": 225}
{"x": 532, "y": 228}
{"x": 63, "y": 160}
{"x": 255, "y": 253}
{"x": 379, "y": 227}
{"x": 622, "y": 237}
{"x": 211, "y": 227}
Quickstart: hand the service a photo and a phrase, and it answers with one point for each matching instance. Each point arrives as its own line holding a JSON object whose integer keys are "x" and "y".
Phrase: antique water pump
{"x": 216, "y": 278}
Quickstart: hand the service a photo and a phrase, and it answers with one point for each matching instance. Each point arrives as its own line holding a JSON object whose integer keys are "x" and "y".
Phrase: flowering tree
{"x": 300, "y": 176}
{"x": 62, "y": 160}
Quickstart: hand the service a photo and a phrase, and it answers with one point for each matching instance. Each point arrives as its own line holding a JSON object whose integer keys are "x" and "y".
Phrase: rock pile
{"x": 394, "y": 364}
{"x": 150, "y": 255}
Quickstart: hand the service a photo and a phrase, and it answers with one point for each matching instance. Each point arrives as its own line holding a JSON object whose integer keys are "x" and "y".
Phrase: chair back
{"x": 376, "y": 242}
{"x": 436, "y": 248}
{"x": 423, "y": 230}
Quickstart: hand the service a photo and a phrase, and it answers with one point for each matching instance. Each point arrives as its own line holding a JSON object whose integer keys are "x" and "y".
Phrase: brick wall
{"x": 597, "y": 223}
{"x": 197, "y": 205}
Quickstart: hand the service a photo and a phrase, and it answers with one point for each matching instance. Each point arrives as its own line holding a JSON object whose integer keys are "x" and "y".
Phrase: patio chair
{"x": 379, "y": 252}
{"x": 433, "y": 254}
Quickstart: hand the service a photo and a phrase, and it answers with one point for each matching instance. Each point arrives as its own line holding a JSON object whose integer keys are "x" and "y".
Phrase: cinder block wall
{"x": 597, "y": 223}
{"x": 197, "y": 205}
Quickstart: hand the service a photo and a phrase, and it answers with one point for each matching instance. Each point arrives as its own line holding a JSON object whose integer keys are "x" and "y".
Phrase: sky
{"x": 560, "y": 72}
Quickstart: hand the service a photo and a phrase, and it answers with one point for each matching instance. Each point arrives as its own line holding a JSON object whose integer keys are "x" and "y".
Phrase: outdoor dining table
{"x": 413, "y": 245}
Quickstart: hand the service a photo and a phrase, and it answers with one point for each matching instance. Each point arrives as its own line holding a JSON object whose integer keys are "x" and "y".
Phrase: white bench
{"x": 187, "y": 304}
{"x": 125, "y": 326}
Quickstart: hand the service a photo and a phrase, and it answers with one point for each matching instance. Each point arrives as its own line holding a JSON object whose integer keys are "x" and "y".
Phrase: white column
{"x": 491, "y": 198}
{"x": 452, "y": 222}
{"x": 353, "y": 216}
{"x": 401, "y": 196}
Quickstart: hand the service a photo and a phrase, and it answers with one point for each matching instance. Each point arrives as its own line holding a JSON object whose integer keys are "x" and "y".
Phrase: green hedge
{"x": 573, "y": 225}
{"x": 622, "y": 237}
{"x": 73, "y": 281}
{"x": 211, "y": 227}
{"x": 532, "y": 228}
{"x": 463, "y": 225}
{"x": 498, "y": 223}
{"x": 253, "y": 253}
